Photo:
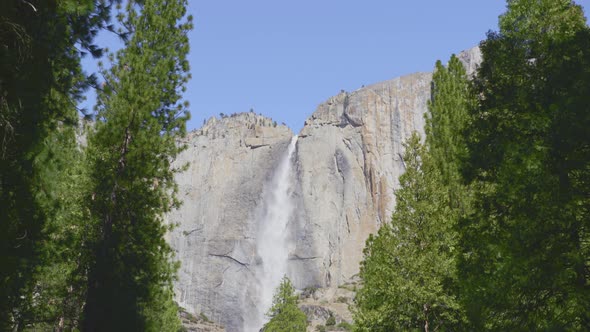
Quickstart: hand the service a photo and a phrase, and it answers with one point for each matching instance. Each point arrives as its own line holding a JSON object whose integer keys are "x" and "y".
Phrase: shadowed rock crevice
{"x": 230, "y": 258}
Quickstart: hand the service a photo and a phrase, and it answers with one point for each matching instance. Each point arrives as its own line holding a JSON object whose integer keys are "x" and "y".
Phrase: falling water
{"x": 272, "y": 241}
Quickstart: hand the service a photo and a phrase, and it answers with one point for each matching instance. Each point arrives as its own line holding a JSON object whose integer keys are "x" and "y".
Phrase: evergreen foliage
{"x": 409, "y": 266}
{"x": 140, "y": 117}
{"x": 446, "y": 119}
{"x": 409, "y": 273}
{"x": 509, "y": 172}
{"x": 284, "y": 314}
{"x": 526, "y": 245}
{"x": 58, "y": 292}
{"x": 40, "y": 83}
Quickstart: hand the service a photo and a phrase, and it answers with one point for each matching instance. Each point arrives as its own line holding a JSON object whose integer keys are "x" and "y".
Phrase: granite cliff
{"x": 343, "y": 174}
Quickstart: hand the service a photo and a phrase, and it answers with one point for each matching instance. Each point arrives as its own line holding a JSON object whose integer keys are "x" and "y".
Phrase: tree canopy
{"x": 526, "y": 245}
{"x": 507, "y": 167}
{"x": 134, "y": 140}
{"x": 57, "y": 197}
{"x": 409, "y": 266}
{"x": 284, "y": 314}
{"x": 41, "y": 81}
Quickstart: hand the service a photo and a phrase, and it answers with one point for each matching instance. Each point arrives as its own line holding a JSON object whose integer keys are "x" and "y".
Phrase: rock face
{"x": 347, "y": 162}
{"x": 229, "y": 161}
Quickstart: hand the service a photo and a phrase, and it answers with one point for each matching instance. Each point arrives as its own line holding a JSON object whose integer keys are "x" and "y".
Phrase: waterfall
{"x": 272, "y": 240}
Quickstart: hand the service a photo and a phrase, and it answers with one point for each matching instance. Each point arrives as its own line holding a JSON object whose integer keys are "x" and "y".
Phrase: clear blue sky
{"x": 283, "y": 58}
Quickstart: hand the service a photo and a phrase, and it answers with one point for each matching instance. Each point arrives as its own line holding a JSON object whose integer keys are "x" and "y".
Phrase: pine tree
{"x": 60, "y": 279}
{"x": 140, "y": 117}
{"x": 284, "y": 314}
{"x": 446, "y": 121}
{"x": 40, "y": 83}
{"x": 409, "y": 266}
{"x": 526, "y": 244}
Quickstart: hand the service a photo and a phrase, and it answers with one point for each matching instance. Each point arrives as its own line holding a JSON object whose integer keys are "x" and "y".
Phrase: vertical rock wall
{"x": 229, "y": 160}
{"x": 347, "y": 163}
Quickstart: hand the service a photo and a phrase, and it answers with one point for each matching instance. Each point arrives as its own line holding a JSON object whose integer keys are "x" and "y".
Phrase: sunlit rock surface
{"x": 349, "y": 160}
{"x": 346, "y": 166}
{"x": 229, "y": 160}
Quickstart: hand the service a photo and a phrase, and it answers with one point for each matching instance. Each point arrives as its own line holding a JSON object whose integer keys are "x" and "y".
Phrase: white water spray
{"x": 272, "y": 241}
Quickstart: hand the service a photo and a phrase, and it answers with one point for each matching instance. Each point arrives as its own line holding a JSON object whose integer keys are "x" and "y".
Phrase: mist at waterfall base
{"x": 273, "y": 245}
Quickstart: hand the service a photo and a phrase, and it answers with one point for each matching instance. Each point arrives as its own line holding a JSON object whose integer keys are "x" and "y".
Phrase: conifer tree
{"x": 446, "y": 121}
{"x": 140, "y": 117}
{"x": 408, "y": 271}
{"x": 430, "y": 202}
{"x": 526, "y": 244}
{"x": 40, "y": 83}
{"x": 284, "y": 314}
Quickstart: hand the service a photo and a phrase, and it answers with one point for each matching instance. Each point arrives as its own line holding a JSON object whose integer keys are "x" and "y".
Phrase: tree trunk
{"x": 426, "y": 327}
